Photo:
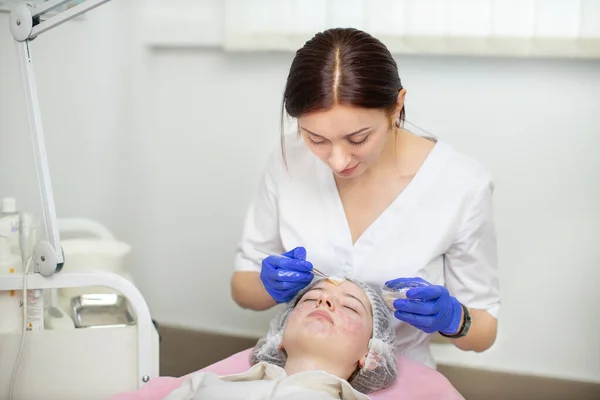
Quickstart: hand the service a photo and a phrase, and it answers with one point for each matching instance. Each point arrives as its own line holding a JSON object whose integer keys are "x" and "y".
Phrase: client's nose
{"x": 325, "y": 301}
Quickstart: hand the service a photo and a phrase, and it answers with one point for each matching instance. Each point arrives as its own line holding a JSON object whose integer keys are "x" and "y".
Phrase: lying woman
{"x": 330, "y": 342}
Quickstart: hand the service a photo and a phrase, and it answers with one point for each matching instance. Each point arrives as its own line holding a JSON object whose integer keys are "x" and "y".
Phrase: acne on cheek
{"x": 351, "y": 324}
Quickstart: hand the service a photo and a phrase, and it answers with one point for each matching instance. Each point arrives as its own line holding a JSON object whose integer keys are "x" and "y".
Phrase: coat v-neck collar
{"x": 337, "y": 224}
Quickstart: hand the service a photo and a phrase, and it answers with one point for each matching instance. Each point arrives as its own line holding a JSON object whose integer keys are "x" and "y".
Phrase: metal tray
{"x": 101, "y": 310}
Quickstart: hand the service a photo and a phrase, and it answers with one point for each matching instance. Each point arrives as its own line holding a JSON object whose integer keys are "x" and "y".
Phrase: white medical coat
{"x": 440, "y": 228}
{"x": 265, "y": 381}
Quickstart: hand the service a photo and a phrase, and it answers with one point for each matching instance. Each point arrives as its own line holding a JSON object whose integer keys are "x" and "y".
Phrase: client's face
{"x": 332, "y": 321}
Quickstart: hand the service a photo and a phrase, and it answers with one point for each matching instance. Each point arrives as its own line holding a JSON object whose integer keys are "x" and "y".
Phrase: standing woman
{"x": 371, "y": 201}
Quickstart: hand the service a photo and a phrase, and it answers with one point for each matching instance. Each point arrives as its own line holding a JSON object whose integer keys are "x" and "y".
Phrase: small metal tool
{"x": 314, "y": 271}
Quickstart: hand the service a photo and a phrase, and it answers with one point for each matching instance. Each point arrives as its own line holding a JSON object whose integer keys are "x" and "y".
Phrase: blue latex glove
{"x": 429, "y": 308}
{"x": 283, "y": 276}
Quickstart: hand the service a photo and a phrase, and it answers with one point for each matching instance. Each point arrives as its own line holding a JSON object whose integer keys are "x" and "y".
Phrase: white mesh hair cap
{"x": 379, "y": 371}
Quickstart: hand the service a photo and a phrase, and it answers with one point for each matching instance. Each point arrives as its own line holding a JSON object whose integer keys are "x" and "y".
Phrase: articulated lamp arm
{"x": 26, "y": 25}
{"x": 25, "y": 20}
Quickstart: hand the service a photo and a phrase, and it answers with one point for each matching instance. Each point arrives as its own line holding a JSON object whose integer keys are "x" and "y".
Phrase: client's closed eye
{"x": 351, "y": 309}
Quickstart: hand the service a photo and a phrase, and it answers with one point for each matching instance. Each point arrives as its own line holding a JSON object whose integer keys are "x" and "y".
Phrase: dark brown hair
{"x": 341, "y": 66}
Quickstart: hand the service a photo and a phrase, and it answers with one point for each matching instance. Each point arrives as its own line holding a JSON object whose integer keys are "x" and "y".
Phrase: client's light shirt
{"x": 265, "y": 381}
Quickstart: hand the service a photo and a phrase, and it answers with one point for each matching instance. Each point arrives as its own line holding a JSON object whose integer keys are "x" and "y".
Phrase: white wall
{"x": 81, "y": 72}
{"x": 171, "y": 166}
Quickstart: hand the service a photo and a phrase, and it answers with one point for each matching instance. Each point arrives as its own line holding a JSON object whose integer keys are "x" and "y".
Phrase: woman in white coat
{"x": 357, "y": 195}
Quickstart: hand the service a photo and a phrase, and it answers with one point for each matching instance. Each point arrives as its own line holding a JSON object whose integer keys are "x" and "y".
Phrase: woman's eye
{"x": 313, "y": 141}
{"x": 359, "y": 142}
{"x": 309, "y": 300}
{"x": 351, "y": 309}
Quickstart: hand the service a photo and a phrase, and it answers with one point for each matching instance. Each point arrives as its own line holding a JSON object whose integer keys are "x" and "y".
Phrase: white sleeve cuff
{"x": 243, "y": 263}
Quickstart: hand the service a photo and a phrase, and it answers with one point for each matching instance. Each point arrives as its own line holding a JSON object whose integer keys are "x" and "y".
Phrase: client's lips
{"x": 321, "y": 314}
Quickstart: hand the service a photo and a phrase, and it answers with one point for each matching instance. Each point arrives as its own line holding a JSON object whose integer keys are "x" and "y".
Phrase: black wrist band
{"x": 464, "y": 328}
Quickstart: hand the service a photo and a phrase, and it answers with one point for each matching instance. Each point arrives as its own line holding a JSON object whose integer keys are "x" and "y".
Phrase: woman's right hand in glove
{"x": 284, "y": 275}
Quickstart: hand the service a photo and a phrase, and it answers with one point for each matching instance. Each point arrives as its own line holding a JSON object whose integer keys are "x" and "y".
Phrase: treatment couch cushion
{"x": 415, "y": 382}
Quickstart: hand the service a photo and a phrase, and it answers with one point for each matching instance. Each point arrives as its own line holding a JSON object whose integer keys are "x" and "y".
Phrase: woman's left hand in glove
{"x": 429, "y": 308}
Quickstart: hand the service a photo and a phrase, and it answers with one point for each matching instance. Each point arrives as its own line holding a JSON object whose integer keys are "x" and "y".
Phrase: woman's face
{"x": 347, "y": 139}
{"x": 332, "y": 321}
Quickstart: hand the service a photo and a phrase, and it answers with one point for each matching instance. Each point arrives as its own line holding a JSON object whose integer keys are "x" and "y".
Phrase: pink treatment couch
{"x": 415, "y": 382}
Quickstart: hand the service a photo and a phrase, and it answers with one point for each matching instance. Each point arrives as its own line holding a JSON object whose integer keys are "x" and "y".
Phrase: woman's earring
{"x": 398, "y": 121}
